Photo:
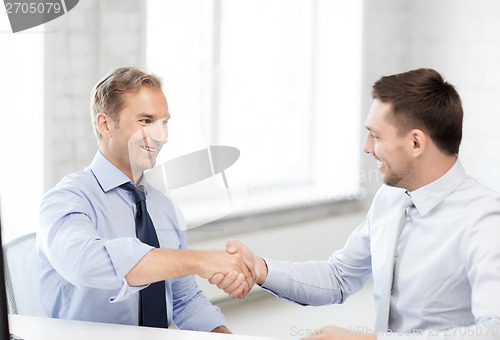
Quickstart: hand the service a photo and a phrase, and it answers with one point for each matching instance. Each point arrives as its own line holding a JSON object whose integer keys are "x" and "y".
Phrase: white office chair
{"x": 22, "y": 276}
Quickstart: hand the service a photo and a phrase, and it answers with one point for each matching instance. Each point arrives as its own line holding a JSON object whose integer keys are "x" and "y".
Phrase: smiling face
{"x": 133, "y": 140}
{"x": 391, "y": 149}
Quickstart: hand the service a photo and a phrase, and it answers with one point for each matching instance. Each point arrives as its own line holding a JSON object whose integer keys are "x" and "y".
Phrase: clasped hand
{"x": 239, "y": 284}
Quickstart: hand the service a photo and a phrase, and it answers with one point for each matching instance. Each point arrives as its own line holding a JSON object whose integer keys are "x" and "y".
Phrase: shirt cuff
{"x": 278, "y": 274}
{"x": 125, "y": 292}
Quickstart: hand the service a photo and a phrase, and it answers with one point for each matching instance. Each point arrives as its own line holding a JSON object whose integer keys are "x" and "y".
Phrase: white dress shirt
{"x": 447, "y": 265}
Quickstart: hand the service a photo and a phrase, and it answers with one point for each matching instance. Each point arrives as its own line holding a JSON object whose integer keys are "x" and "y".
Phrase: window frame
{"x": 280, "y": 215}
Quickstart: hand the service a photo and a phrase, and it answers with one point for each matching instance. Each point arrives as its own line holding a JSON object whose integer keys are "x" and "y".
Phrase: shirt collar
{"x": 108, "y": 176}
{"x": 430, "y": 195}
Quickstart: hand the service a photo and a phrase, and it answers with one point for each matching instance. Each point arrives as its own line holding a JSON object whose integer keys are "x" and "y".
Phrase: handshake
{"x": 240, "y": 271}
{"x": 235, "y": 270}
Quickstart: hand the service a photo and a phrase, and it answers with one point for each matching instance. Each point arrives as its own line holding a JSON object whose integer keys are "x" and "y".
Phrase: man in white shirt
{"x": 435, "y": 261}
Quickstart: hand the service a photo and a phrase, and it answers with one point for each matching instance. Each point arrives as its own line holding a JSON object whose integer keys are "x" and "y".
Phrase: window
{"x": 277, "y": 79}
{"x": 21, "y": 95}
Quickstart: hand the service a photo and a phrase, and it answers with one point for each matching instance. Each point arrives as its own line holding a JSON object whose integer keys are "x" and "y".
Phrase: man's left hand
{"x": 222, "y": 329}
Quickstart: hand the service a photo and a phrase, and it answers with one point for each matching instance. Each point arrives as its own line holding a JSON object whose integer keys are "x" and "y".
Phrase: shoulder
{"x": 480, "y": 208}
{"x": 476, "y": 194}
{"x": 80, "y": 183}
{"x": 79, "y": 179}
{"x": 75, "y": 193}
{"x": 474, "y": 206}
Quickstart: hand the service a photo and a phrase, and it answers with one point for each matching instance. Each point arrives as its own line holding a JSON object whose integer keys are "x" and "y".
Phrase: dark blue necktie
{"x": 153, "y": 302}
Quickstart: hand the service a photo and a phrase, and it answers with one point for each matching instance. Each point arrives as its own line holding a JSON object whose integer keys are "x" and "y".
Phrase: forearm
{"x": 164, "y": 264}
{"x": 306, "y": 283}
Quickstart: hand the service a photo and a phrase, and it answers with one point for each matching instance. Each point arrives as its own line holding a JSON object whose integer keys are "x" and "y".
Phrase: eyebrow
{"x": 371, "y": 129}
{"x": 151, "y": 116}
{"x": 145, "y": 115}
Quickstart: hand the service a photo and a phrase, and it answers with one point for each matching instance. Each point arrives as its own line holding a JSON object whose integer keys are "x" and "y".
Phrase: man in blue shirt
{"x": 434, "y": 260}
{"x": 92, "y": 264}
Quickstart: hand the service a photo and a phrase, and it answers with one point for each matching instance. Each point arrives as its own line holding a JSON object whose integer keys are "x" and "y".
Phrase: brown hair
{"x": 107, "y": 94}
{"x": 422, "y": 99}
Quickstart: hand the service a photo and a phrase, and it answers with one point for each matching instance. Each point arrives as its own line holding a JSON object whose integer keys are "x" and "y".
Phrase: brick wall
{"x": 80, "y": 48}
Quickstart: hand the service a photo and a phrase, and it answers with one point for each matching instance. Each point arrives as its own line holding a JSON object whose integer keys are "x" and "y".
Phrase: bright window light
{"x": 277, "y": 79}
{"x": 21, "y": 128}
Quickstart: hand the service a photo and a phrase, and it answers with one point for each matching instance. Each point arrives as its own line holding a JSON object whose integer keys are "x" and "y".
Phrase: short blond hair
{"x": 107, "y": 94}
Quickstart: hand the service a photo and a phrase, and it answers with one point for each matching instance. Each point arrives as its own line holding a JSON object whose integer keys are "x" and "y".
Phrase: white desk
{"x": 36, "y": 328}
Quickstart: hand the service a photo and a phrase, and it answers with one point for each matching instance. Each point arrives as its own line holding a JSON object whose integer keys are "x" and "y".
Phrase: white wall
{"x": 460, "y": 39}
{"x": 21, "y": 136}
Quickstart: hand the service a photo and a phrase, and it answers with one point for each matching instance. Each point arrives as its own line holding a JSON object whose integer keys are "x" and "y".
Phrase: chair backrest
{"x": 22, "y": 276}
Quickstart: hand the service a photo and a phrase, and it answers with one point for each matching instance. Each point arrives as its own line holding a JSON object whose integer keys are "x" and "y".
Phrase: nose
{"x": 368, "y": 145}
{"x": 158, "y": 132}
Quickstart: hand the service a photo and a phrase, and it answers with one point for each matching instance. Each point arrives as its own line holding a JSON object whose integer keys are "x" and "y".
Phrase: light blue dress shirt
{"x": 447, "y": 260}
{"x": 87, "y": 244}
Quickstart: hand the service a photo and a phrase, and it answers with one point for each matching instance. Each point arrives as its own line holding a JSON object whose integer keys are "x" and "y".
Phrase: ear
{"x": 103, "y": 122}
{"x": 419, "y": 141}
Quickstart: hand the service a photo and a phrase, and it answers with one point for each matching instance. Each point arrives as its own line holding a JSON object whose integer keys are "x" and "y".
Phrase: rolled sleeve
{"x": 125, "y": 253}
{"x": 125, "y": 292}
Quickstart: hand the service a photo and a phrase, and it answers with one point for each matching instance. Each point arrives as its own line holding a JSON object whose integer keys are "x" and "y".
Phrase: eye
{"x": 145, "y": 121}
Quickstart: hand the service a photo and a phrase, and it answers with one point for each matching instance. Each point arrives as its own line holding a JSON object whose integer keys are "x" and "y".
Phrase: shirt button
{"x": 408, "y": 218}
{"x": 396, "y": 254}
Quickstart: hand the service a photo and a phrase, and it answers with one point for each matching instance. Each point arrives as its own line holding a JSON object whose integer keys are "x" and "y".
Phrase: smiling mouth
{"x": 147, "y": 148}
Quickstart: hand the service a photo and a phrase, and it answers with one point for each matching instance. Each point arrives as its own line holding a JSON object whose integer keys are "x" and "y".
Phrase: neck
{"x": 431, "y": 169}
{"x": 136, "y": 178}
{"x": 133, "y": 174}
